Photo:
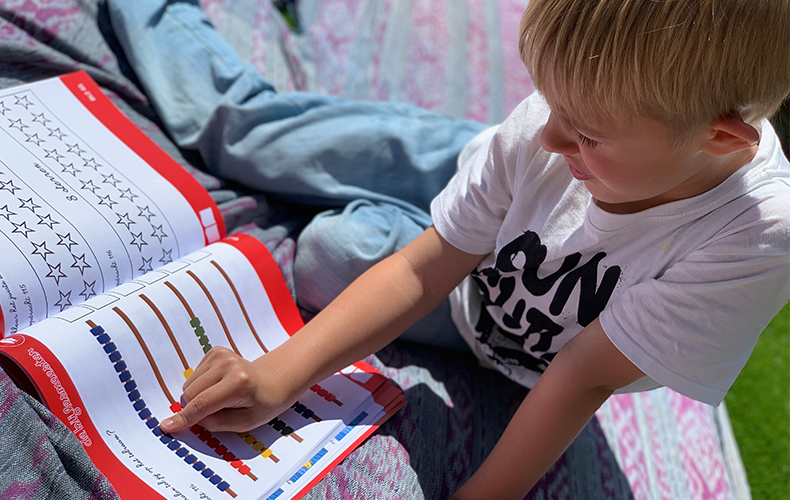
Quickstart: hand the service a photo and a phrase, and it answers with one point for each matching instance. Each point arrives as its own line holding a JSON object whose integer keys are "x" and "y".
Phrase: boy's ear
{"x": 729, "y": 134}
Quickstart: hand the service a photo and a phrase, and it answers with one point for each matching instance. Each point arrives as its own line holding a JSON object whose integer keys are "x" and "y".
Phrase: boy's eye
{"x": 586, "y": 141}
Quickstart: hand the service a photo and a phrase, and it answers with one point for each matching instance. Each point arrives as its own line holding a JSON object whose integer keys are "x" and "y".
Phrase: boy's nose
{"x": 556, "y": 138}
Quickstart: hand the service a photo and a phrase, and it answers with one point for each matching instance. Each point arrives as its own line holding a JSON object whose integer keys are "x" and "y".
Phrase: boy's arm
{"x": 578, "y": 380}
{"x": 228, "y": 393}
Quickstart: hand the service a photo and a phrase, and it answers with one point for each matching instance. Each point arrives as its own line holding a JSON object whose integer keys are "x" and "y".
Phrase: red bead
{"x": 323, "y": 392}
{"x": 221, "y": 449}
{"x": 196, "y": 429}
{"x": 315, "y": 388}
{"x": 204, "y": 436}
{"x": 236, "y": 464}
{"x": 213, "y": 442}
{"x": 176, "y": 407}
{"x": 229, "y": 457}
{"x": 244, "y": 469}
{"x": 330, "y": 397}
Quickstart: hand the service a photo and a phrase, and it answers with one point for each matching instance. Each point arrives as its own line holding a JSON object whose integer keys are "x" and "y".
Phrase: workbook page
{"x": 128, "y": 352}
{"x": 85, "y": 202}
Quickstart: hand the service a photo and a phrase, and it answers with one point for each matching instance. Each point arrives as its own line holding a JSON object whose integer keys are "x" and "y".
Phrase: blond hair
{"x": 683, "y": 63}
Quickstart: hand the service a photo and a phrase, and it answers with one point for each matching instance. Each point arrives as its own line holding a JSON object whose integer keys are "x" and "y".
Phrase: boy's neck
{"x": 718, "y": 171}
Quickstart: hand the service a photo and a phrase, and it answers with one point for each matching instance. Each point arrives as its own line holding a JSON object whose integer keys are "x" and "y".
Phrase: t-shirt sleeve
{"x": 469, "y": 212}
{"x": 693, "y": 328}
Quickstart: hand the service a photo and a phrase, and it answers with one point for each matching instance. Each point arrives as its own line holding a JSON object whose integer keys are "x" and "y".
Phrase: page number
{"x": 86, "y": 92}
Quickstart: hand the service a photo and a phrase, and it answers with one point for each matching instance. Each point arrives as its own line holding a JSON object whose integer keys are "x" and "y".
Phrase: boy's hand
{"x": 228, "y": 393}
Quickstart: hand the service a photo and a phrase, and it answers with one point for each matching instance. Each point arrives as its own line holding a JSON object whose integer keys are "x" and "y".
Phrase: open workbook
{"x": 116, "y": 278}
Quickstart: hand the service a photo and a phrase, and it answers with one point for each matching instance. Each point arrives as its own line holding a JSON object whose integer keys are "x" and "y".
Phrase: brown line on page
{"x": 181, "y": 298}
{"x": 151, "y": 361}
{"x": 243, "y": 309}
{"x": 167, "y": 329}
{"x": 216, "y": 310}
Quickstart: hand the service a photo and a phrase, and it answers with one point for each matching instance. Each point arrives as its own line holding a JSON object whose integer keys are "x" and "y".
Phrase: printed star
{"x": 34, "y": 138}
{"x": 88, "y": 292}
{"x": 54, "y": 155}
{"x": 166, "y": 256}
{"x": 55, "y": 132}
{"x": 64, "y": 301}
{"x": 55, "y": 273}
{"x": 22, "y": 101}
{"x": 75, "y": 149}
{"x": 29, "y": 204}
{"x": 127, "y": 193}
{"x": 22, "y": 229}
{"x": 17, "y": 124}
{"x": 9, "y": 186}
{"x": 125, "y": 220}
{"x": 138, "y": 240}
{"x": 146, "y": 265}
{"x": 41, "y": 119}
{"x": 92, "y": 164}
{"x": 89, "y": 185}
{"x": 110, "y": 179}
{"x": 42, "y": 250}
{"x": 106, "y": 200}
{"x": 158, "y": 233}
{"x": 144, "y": 212}
{"x": 46, "y": 220}
{"x": 79, "y": 263}
{"x": 3, "y": 108}
{"x": 5, "y": 212}
{"x": 71, "y": 169}
{"x": 66, "y": 241}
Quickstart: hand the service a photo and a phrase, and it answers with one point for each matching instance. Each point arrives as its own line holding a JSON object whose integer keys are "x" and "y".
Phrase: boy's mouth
{"x": 576, "y": 173}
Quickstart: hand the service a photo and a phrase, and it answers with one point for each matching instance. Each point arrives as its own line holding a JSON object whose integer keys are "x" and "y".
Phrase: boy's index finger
{"x": 202, "y": 405}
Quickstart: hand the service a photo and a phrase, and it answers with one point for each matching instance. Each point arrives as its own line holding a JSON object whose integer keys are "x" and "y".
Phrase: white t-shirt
{"x": 682, "y": 289}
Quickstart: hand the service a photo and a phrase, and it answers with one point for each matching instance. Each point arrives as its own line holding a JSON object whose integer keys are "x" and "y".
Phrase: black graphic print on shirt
{"x": 506, "y": 290}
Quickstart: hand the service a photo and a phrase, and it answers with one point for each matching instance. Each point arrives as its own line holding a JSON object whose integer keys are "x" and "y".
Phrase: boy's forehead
{"x": 588, "y": 120}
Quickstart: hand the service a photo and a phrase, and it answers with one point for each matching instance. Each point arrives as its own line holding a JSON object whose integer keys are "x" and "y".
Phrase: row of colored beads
{"x": 305, "y": 411}
{"x": 325, "y": 394}
{"x": 283, "y": 428}
{"x": 201, "y": 334}
{"x": 257, "y": 445}
{"x": 216, "y": 445}
{"x": 144, "y": 413}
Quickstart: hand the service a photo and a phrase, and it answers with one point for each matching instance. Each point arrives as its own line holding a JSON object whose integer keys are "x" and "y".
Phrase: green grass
{"x": 759, "y": 407}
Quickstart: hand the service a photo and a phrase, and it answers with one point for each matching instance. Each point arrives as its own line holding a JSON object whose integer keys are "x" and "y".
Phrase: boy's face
{"x": 632, "y": 165}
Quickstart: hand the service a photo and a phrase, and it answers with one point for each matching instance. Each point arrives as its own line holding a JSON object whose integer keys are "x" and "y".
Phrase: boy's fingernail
{"x": 167, "y": 424}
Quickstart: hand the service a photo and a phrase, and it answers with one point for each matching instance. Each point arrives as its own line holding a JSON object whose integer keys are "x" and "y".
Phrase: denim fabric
{"x": 376, "y": 166}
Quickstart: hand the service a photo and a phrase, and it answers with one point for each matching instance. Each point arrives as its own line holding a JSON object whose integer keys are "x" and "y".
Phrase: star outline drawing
{"x": 63, "y": 296}
{"x": 57, "y": 277}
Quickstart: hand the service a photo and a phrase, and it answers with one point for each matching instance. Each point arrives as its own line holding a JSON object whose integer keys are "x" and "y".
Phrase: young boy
{"x": 627, "y": 228}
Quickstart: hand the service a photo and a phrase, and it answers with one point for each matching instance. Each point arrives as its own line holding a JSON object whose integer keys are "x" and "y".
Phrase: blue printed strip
{"x": 318, "y": 456}
{"x": 351, "y": 426}
{"x": 125, "y": 376}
